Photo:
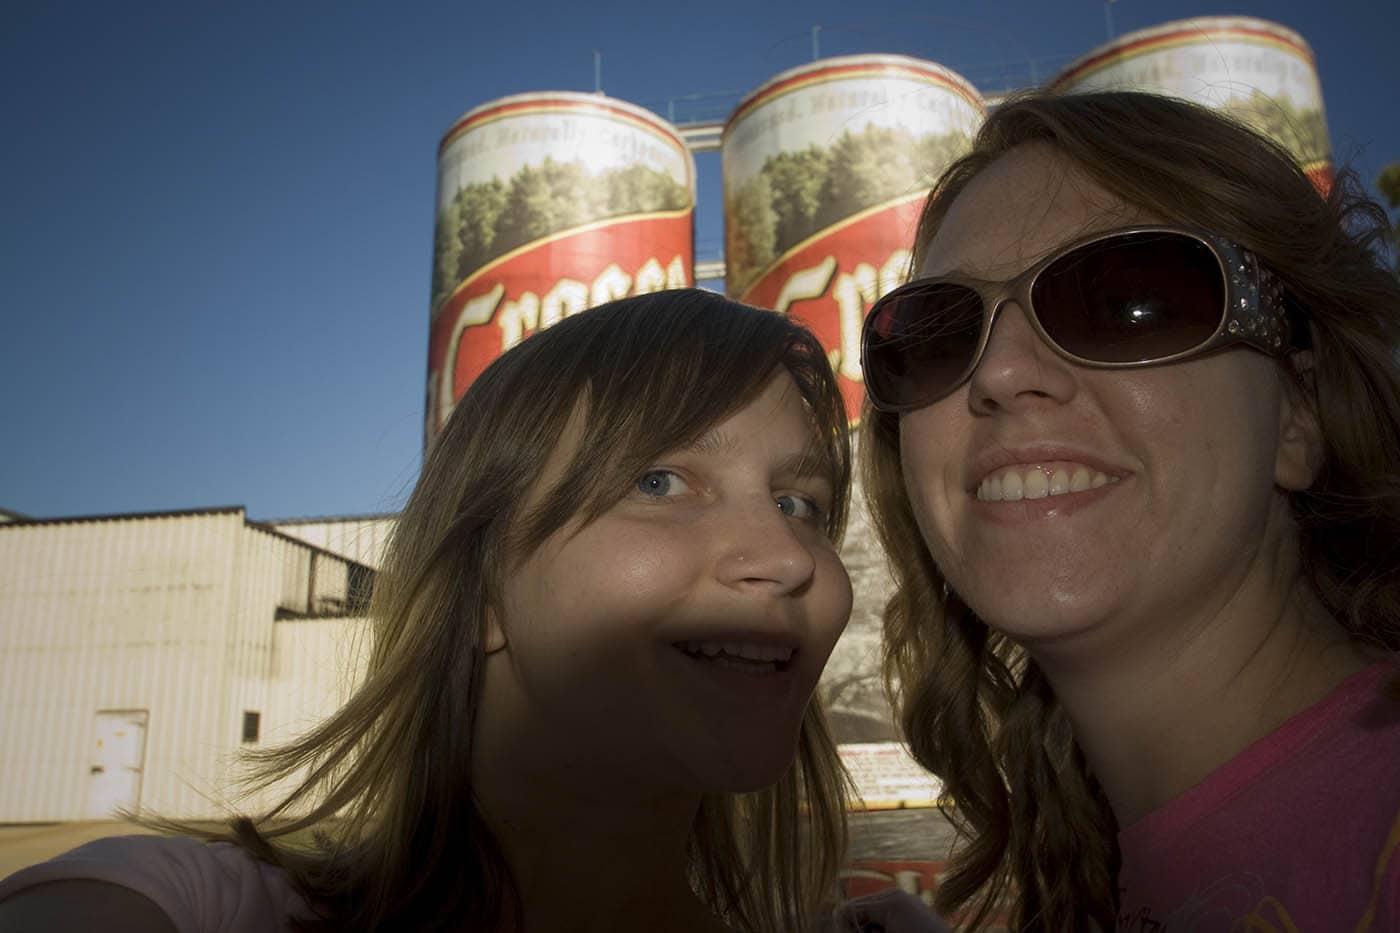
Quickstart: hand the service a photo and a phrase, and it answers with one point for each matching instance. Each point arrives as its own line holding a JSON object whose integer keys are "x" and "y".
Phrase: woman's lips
{"x": 1040, "y": 480}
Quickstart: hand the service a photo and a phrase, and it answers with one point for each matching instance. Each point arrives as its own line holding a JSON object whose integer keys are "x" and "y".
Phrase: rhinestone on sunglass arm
{"x": 1254, "y": 308}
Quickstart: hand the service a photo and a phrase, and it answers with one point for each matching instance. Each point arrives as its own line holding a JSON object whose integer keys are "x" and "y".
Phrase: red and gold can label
{"x": 825, "y": 169}
{"x": 1259, "y": 72}
{"x": 548, "y": 204}
{"x": 830, "y": 281}
{"x": 531, "y": 288}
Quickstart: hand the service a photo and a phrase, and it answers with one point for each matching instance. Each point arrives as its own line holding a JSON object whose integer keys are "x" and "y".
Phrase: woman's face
{"x": 1184, "y": 462}
{"x": 676, "y": 640}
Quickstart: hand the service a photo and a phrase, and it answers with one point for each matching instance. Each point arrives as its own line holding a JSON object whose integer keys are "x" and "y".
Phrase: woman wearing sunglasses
{"x": 1134, "y": 450}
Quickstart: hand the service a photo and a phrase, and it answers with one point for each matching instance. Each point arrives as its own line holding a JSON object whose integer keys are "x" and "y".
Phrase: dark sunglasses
{"x": 1123, "y": 298}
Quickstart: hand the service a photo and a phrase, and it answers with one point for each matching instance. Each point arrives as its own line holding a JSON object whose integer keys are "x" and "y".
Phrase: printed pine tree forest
{"x": 489, "y": 219}
{"x": 797, "y": 194}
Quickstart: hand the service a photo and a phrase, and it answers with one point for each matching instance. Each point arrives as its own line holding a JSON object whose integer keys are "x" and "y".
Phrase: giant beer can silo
{"x": 548, "y": 204}
{"x": 826, "y": 167}
{"x": 1257, "y": 71}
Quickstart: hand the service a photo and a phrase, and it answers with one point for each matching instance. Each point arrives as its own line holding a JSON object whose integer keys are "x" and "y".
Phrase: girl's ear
{"x": 1300, "y": 445}
{"x": 493, "y": 634}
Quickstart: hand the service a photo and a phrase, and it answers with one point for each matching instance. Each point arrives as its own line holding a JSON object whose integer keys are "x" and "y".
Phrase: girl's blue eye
{"x": 799, "y": 507}
{"x": 659, "y": 483}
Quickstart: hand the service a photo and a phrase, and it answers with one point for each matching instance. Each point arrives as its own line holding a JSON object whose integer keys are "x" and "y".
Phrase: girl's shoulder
{"x": 889, "y": 911}
{"x": 202, "y": 887}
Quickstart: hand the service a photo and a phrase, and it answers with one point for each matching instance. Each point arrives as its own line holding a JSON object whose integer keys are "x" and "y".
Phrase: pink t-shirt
{"x": 202, "y": 888}
{"x": 1297, "y": 834}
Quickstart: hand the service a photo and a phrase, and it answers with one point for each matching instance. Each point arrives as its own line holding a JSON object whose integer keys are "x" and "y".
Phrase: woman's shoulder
{"x": 1358, "y": 724}
{"x": 201, "y": 887}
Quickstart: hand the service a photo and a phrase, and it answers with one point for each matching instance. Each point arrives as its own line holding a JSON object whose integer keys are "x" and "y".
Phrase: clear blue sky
{"x": 216, "y": 217}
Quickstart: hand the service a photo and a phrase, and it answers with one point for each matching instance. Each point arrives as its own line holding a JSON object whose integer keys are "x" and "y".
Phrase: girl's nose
{"x": 763, "y": 551}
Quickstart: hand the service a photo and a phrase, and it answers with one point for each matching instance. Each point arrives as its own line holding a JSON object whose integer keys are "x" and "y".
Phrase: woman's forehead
{"x": 1018, "y": 209}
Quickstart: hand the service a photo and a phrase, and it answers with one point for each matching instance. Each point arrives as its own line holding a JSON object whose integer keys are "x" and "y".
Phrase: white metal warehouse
{"x": 140, "y": 653}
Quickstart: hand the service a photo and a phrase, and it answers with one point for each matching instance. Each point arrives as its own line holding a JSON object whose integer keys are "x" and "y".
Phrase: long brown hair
{"x": 387, "y": 779}
{"x": 977, "y": 710}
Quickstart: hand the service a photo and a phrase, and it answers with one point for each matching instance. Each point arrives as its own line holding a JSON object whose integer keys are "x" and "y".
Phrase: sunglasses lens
{"x": 1131, "y": 298}
{"x": 918, "y": 343}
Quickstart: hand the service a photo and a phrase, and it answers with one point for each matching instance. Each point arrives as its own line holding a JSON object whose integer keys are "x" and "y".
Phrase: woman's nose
{"x": 1018, "y": 368}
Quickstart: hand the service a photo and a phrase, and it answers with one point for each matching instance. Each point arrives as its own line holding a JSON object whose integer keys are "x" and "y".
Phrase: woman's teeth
{"x": 1015, "y": 483}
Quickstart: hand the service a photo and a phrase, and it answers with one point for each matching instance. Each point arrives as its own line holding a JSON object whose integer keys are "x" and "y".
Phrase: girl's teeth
{"x": 740, "y": 652}
{"x": 748, "y": 667}
{"x": 1038, "y": 483}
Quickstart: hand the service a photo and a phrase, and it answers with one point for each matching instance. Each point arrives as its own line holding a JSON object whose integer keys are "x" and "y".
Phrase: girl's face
{"x": 674, "y": 642}
{"x": 1192, "y": 457}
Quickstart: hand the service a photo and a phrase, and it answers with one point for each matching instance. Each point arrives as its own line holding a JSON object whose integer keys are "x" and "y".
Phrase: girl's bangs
{"x": 656, "y": 389}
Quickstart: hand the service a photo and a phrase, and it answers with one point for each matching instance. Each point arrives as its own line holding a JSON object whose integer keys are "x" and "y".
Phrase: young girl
{"x": 590, "y": 704}
{"x": 1135, "y": 456}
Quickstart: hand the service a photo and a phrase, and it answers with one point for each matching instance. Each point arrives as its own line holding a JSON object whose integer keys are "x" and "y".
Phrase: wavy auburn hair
{"x": 977, "y": 711}
{"x": 387, "y": 780}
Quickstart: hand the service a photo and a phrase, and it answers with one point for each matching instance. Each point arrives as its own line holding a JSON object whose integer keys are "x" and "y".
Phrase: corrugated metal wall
{"x": 116, "y": 615}
{"x": 171, "y": 614}
{"x": 360, "y": 538}
{"x": 316, "y": 663}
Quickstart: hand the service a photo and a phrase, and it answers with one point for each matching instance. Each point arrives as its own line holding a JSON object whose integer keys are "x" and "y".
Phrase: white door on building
{"x": 119, "y": 753}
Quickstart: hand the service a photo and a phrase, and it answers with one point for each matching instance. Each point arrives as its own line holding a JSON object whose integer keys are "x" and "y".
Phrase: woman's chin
{"x": 1049, "y": 616}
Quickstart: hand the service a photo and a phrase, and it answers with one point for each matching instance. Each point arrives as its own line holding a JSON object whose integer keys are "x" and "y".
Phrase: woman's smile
{"x": 1039, "y": 481}
{"x": 1112, "y": 493}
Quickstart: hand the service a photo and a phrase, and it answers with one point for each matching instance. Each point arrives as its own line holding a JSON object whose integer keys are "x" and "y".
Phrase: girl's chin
{"x": 745, "y": 770}
{"x": 747, "y": 783}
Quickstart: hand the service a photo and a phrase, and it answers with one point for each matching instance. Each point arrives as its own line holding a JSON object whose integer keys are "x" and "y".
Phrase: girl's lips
{"x": 732, "y": 681}
{"x": 739, "y": 649}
